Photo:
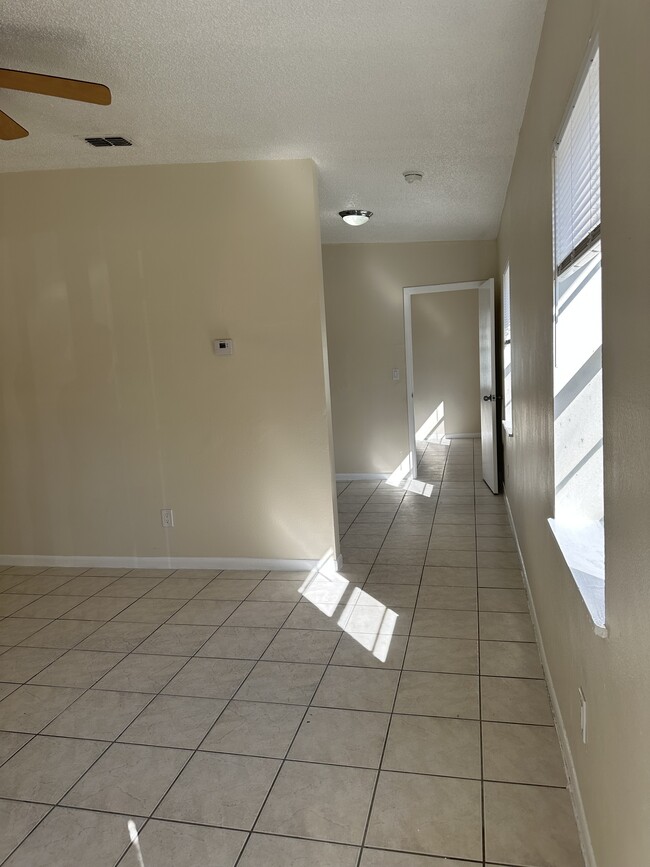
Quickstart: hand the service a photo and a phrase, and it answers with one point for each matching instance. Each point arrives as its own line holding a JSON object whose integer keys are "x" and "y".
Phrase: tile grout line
{"x": 378, "y": 770}
{"x": 277, "y": 630}
{"x": 318, "y": 763}
{"x": 268, "y": 794}
{"x": 239, "y": 830}
{"x": 283, "y": 761}
{"x": 153, "y": 697}
{"x": 114, "y": 741}
{"x": 32, "y": 735}
{"x": 78, "y": 780}
{"x": 156, "y": 626}
{"x": 194, "y": 751}
{"x": 480, "y": 695}
{"x": 226, "y": 706}
{"x": 394, "y": 704}
{"x": 112, "y": 580}
{"x": 367, "y": 500}
{"x": 160, "y": 692}
{"x": 91, "y": 596}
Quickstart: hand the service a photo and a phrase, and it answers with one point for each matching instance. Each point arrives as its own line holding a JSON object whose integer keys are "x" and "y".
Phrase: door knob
{"x": 489, "y": 397}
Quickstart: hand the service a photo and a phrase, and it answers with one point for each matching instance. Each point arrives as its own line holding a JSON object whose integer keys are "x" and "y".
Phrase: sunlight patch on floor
{"x": 364, "y": 618}
{"x": 135, "y": 840}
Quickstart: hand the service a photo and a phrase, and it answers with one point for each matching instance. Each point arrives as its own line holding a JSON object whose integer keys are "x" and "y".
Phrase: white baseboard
{"x": 463, "y": 436}
{"x": 160, "y": 562}
{"x": 574, "y": 787}
{"x": 361, "y": 477}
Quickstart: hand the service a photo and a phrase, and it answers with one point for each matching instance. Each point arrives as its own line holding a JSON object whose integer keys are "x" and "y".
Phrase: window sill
{"x": 583, "y": 549}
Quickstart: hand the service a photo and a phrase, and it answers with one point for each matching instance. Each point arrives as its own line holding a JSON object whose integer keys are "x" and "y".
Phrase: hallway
{"x": 269, "y": 720}
{"x": 448, "y": 561}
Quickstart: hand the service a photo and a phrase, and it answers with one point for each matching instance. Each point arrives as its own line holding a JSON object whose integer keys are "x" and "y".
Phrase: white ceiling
{"x": 367, "y": 88}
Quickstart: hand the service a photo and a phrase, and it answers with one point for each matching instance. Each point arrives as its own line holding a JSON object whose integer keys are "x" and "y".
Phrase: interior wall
{"x": 446, "y": 362}
{"x": 613, "y": 768}
{"x": 365, "y": 327}
{"x": 114, "y": 284}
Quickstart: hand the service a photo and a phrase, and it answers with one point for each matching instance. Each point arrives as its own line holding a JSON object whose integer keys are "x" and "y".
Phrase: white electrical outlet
{"x": 583, "y": 715}
{"x": 396, "y": 374}
{"x": 167, "y": 517}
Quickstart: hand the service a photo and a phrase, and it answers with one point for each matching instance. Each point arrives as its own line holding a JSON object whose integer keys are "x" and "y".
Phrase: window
{"x": 578, "y": 403}
{"x": 507, "y": 352}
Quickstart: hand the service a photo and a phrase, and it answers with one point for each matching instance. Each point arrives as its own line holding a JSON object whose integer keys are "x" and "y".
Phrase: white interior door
{"x": 410, "y": 386}
{"x": 488, "y": 382}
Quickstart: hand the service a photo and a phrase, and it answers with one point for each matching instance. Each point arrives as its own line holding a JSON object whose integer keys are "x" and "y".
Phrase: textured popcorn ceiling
{"x": 367, "y": 88}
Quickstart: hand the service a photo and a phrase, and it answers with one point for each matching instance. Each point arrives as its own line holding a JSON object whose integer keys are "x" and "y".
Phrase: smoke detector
{"x": 411, "y": 177}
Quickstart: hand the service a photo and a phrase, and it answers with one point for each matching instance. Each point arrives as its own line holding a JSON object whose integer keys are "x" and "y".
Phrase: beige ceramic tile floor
{"x": 391, "y": 715}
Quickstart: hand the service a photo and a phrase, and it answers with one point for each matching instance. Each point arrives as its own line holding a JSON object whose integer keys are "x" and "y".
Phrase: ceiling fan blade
{"x": 50, "y": 85}
{"x": 9, "y": 129}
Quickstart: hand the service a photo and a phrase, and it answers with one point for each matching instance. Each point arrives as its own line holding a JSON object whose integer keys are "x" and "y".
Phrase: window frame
{"x": 589, "y": 574}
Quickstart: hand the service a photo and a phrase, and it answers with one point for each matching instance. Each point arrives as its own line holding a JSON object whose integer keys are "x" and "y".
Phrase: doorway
{"x": 430, "y": 422}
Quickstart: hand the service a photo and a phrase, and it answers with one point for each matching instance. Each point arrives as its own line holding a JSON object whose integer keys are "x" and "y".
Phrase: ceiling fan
{"x": 49, "y": 85}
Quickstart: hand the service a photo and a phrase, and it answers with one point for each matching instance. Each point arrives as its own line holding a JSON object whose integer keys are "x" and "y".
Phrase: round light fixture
{"x": 355, "y": 218}
{"x": 411, "y": 177}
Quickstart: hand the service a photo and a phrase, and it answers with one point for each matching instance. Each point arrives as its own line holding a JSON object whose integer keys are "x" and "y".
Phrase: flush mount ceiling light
{"x": 411, "y": 177}
{"x": 355, "y": 218}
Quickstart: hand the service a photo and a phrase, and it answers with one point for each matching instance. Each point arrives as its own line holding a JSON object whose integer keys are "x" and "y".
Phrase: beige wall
{"x": 445, "y": 360}
{"x": 613, "y": 768}
{"x": 113, "y": 284}
{"x": 365, "y": 327}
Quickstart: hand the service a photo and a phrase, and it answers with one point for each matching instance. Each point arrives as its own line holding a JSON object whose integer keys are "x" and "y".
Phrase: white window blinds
{"x": 577, "y": 175}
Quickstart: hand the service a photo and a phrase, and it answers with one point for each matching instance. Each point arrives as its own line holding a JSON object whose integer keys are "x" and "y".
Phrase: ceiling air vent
{"x": 115, "y": 141}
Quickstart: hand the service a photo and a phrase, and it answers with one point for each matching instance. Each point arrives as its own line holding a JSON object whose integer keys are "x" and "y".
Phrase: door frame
{"x": 409, "y": 291}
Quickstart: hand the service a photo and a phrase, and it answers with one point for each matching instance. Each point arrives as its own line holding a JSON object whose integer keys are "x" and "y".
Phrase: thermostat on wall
{"x": 222, "y": 346}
